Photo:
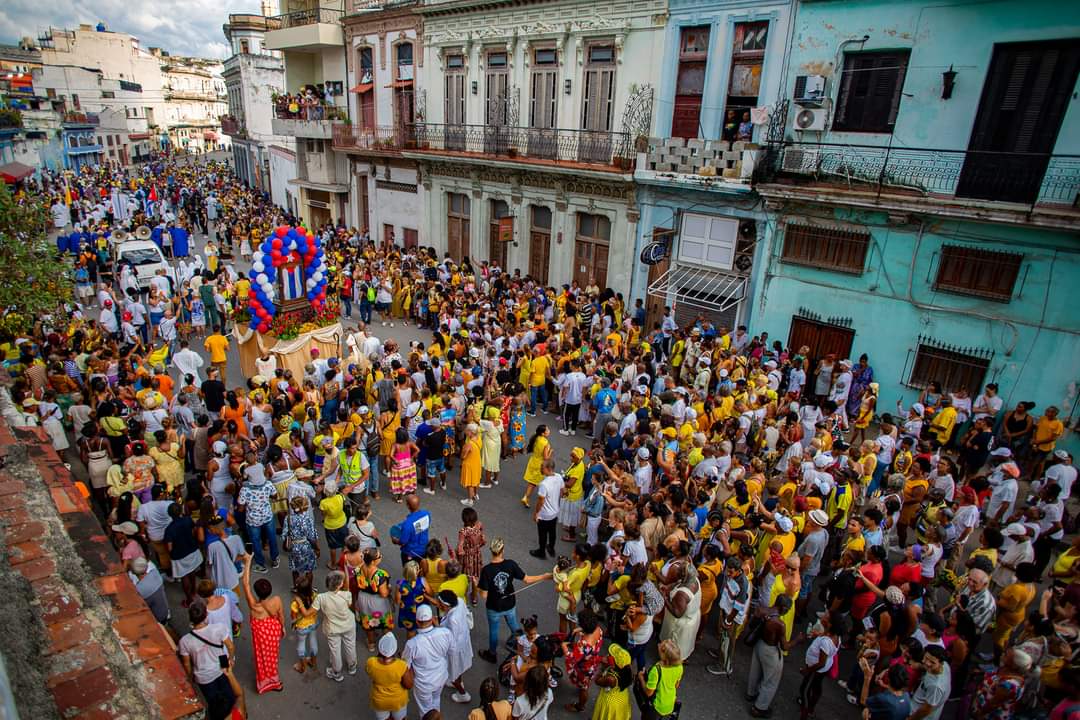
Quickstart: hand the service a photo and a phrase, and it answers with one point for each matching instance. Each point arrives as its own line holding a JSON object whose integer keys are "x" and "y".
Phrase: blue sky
{"x": 182, "y": 27}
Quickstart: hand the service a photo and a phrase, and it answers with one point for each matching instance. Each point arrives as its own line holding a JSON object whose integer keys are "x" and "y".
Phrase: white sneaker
{"x": 573, "y": 432}
{"x": 467, "y": 503}
{"x": 564, "y": 432}
{"x": 461, "y": 698}
{"x": 429, "y": 491}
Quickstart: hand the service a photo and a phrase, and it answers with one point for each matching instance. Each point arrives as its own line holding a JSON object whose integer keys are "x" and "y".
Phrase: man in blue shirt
{"x": 414, "y": 531}
{"x": 604, "y": 402}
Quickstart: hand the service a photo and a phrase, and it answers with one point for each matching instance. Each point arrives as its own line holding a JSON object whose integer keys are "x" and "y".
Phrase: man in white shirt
{"x": 187, "y": 362}
{"x": 1021, "y": 551}
{"x": 573, "y": 386}
{"x": 201, "y": 650}
{"x": 153, "y": 517}
{"x": 1002, "y": 480}
{"x": 1062, "y": 473}
{"x": 643, "y": 473}
{"x": 546, "y": 512}
{"x": 107, "y": 319}
{"x": 1051, "y": 529}
{"x": 427, "y": 654}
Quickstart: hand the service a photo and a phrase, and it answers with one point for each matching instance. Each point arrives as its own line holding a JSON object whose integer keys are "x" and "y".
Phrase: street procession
{"x": 698, "y": 498}
{"x": 688, "y": 385}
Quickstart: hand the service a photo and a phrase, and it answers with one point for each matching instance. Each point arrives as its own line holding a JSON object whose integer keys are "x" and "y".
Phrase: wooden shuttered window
{"x": 826, "y": 247}
{"x": 974, "y": 271}
{"x": 953, "y": 369}
{"x": 870, "y": 89}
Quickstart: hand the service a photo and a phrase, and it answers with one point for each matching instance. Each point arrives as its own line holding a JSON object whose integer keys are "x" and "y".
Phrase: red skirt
{"x": 266, "y": 635}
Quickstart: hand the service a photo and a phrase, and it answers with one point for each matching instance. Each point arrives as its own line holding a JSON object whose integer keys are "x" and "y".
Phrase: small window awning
{"x": 701, "y": 288}
{"x": 401, "y": 84}
{"x": 13, "y": 172}
{"x": 362, "y": 87}
{"x": 209, "y": 135}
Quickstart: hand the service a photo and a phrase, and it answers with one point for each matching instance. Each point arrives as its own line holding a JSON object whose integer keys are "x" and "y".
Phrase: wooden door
{"x": 821, "y": 338}
{"x": 388, "y": 234}
{"x": 497, "y": 97}
{"x": 457, "y": 226}
{"x": 411, "y": 238}
{"x": 1027, "y": 91}
{"x": 497, "y": 248}
{"x": 539, "y": 243}
{"x": 590, "y": 263}
{"x": 362, "y": 208}
{"x": 655, "y": 302}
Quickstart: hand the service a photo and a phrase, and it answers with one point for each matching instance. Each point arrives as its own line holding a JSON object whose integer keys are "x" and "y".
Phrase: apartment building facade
{"x": 529, "y": 117}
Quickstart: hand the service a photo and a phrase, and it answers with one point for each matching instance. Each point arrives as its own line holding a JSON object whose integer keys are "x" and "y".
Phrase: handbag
{"x": 644, "y": 702}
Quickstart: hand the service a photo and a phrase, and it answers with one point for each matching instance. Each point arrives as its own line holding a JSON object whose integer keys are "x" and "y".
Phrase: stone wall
{"x": 79, "y": 641}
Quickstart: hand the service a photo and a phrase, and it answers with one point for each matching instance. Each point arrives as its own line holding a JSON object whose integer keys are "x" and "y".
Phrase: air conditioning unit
{"x": 809, "y": 90}
{"x": 810, "y": 119}
{"x": 800, "y": 160}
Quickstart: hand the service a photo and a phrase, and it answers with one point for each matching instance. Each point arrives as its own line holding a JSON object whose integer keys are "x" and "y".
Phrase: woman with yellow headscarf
{"x": 570, "y": 507}
{"x": 614, "y": 681}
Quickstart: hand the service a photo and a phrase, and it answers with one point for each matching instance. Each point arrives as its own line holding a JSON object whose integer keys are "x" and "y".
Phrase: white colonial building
{"x": 534, "y": 111}
{"x": 253, "y": 75}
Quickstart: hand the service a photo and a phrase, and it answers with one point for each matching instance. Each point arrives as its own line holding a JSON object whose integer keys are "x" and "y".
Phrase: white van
{"x": 146, "y": 258}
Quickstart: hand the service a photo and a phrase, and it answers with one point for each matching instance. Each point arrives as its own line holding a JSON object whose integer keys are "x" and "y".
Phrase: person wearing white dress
{"x": 683, "y": 612}
{"x": 456, "y": 620}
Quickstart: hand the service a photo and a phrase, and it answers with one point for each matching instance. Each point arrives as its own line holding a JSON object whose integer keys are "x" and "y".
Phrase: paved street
{"x": 704, "y": 696}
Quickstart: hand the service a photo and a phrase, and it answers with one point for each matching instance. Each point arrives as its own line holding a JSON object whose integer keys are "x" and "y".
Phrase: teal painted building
{"x": 723, "y": 60}
{"x": 921, "y": 197}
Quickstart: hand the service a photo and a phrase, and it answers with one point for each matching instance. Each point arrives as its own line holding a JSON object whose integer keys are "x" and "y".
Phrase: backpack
{"x": 370, "y": 294}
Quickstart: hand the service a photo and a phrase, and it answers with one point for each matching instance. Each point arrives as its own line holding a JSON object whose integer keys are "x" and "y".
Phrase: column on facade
{"x": 561, "y": 255}
{"x": 639, "y": 278}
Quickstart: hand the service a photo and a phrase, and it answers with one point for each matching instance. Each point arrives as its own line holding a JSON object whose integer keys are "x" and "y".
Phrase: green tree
{"x": 34, "y": 280}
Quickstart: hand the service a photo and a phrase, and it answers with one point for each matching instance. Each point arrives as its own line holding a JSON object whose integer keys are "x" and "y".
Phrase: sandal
{"x": 300, "y": 667}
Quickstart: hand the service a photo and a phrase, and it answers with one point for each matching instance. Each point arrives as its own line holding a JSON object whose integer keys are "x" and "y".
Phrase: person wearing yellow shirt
{"x": 944, "y": 422}
{"x": 218, "y": 346}
{"x": 1043, "y": 441}
{"x": 854, "y": 540}
{"x": 539, "y": 372}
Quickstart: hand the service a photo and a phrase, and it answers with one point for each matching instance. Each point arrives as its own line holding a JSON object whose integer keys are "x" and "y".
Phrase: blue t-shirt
{"x": 604, "y": 402}
{"x": 889, "y": 706}
{"x": 414, "y": 533}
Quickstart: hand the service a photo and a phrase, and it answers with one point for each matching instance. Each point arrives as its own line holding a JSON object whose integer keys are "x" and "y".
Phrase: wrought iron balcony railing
{"x": 554, "y": 145}
{"x": 1025, "y": 178}
{"x": 293, "y": 109}
{"x": 384, "y": 138}
{"x": 299, "y": 18}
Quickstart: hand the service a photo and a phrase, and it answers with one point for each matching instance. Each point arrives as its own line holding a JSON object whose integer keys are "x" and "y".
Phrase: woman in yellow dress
{"x": 709, "y": 571}
{"x": 471, "y": 471}
{"x": 389, "y": 422}
{"x": 614, "y": 681}
{"x": 788, "y": 582}
{"x": 1012, "y": 605}
{"x": 866, "y": 414}
{"x": 539, "y": 450}
{"x": 398, "y": 295}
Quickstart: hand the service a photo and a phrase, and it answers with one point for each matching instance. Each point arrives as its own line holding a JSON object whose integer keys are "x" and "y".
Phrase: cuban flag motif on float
{"x": 299, "y": 254}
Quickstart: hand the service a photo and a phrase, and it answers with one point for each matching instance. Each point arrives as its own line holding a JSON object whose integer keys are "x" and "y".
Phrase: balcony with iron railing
{"x": 381, "y": 140}
{"x": 295, "y": 118}
{"x": 556, "y": 147}
{"x": 970, "y": 181}
{"x": 232, "y": 127}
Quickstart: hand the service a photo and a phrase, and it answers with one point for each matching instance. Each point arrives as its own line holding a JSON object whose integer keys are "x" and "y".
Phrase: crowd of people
{"x": 722, "y": 489}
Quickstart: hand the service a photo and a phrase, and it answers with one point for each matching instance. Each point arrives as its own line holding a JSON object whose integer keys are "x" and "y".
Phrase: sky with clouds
{"x": 182, "y": 27}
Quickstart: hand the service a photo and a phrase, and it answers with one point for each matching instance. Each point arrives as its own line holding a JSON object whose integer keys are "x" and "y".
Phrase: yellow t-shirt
{"x": 387, "y": 693}
{"x": 538, "y": 370}
{"x": 577, "y": 475}
{"x": 217, "y": 345}
{"x": 1047, "y": 432}
{"x": 333, "y": 510}
{"x": 460, "y": 585}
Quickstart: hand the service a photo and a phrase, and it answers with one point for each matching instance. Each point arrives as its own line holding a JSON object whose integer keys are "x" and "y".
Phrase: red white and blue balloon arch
{"x": 299, "y": 254}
